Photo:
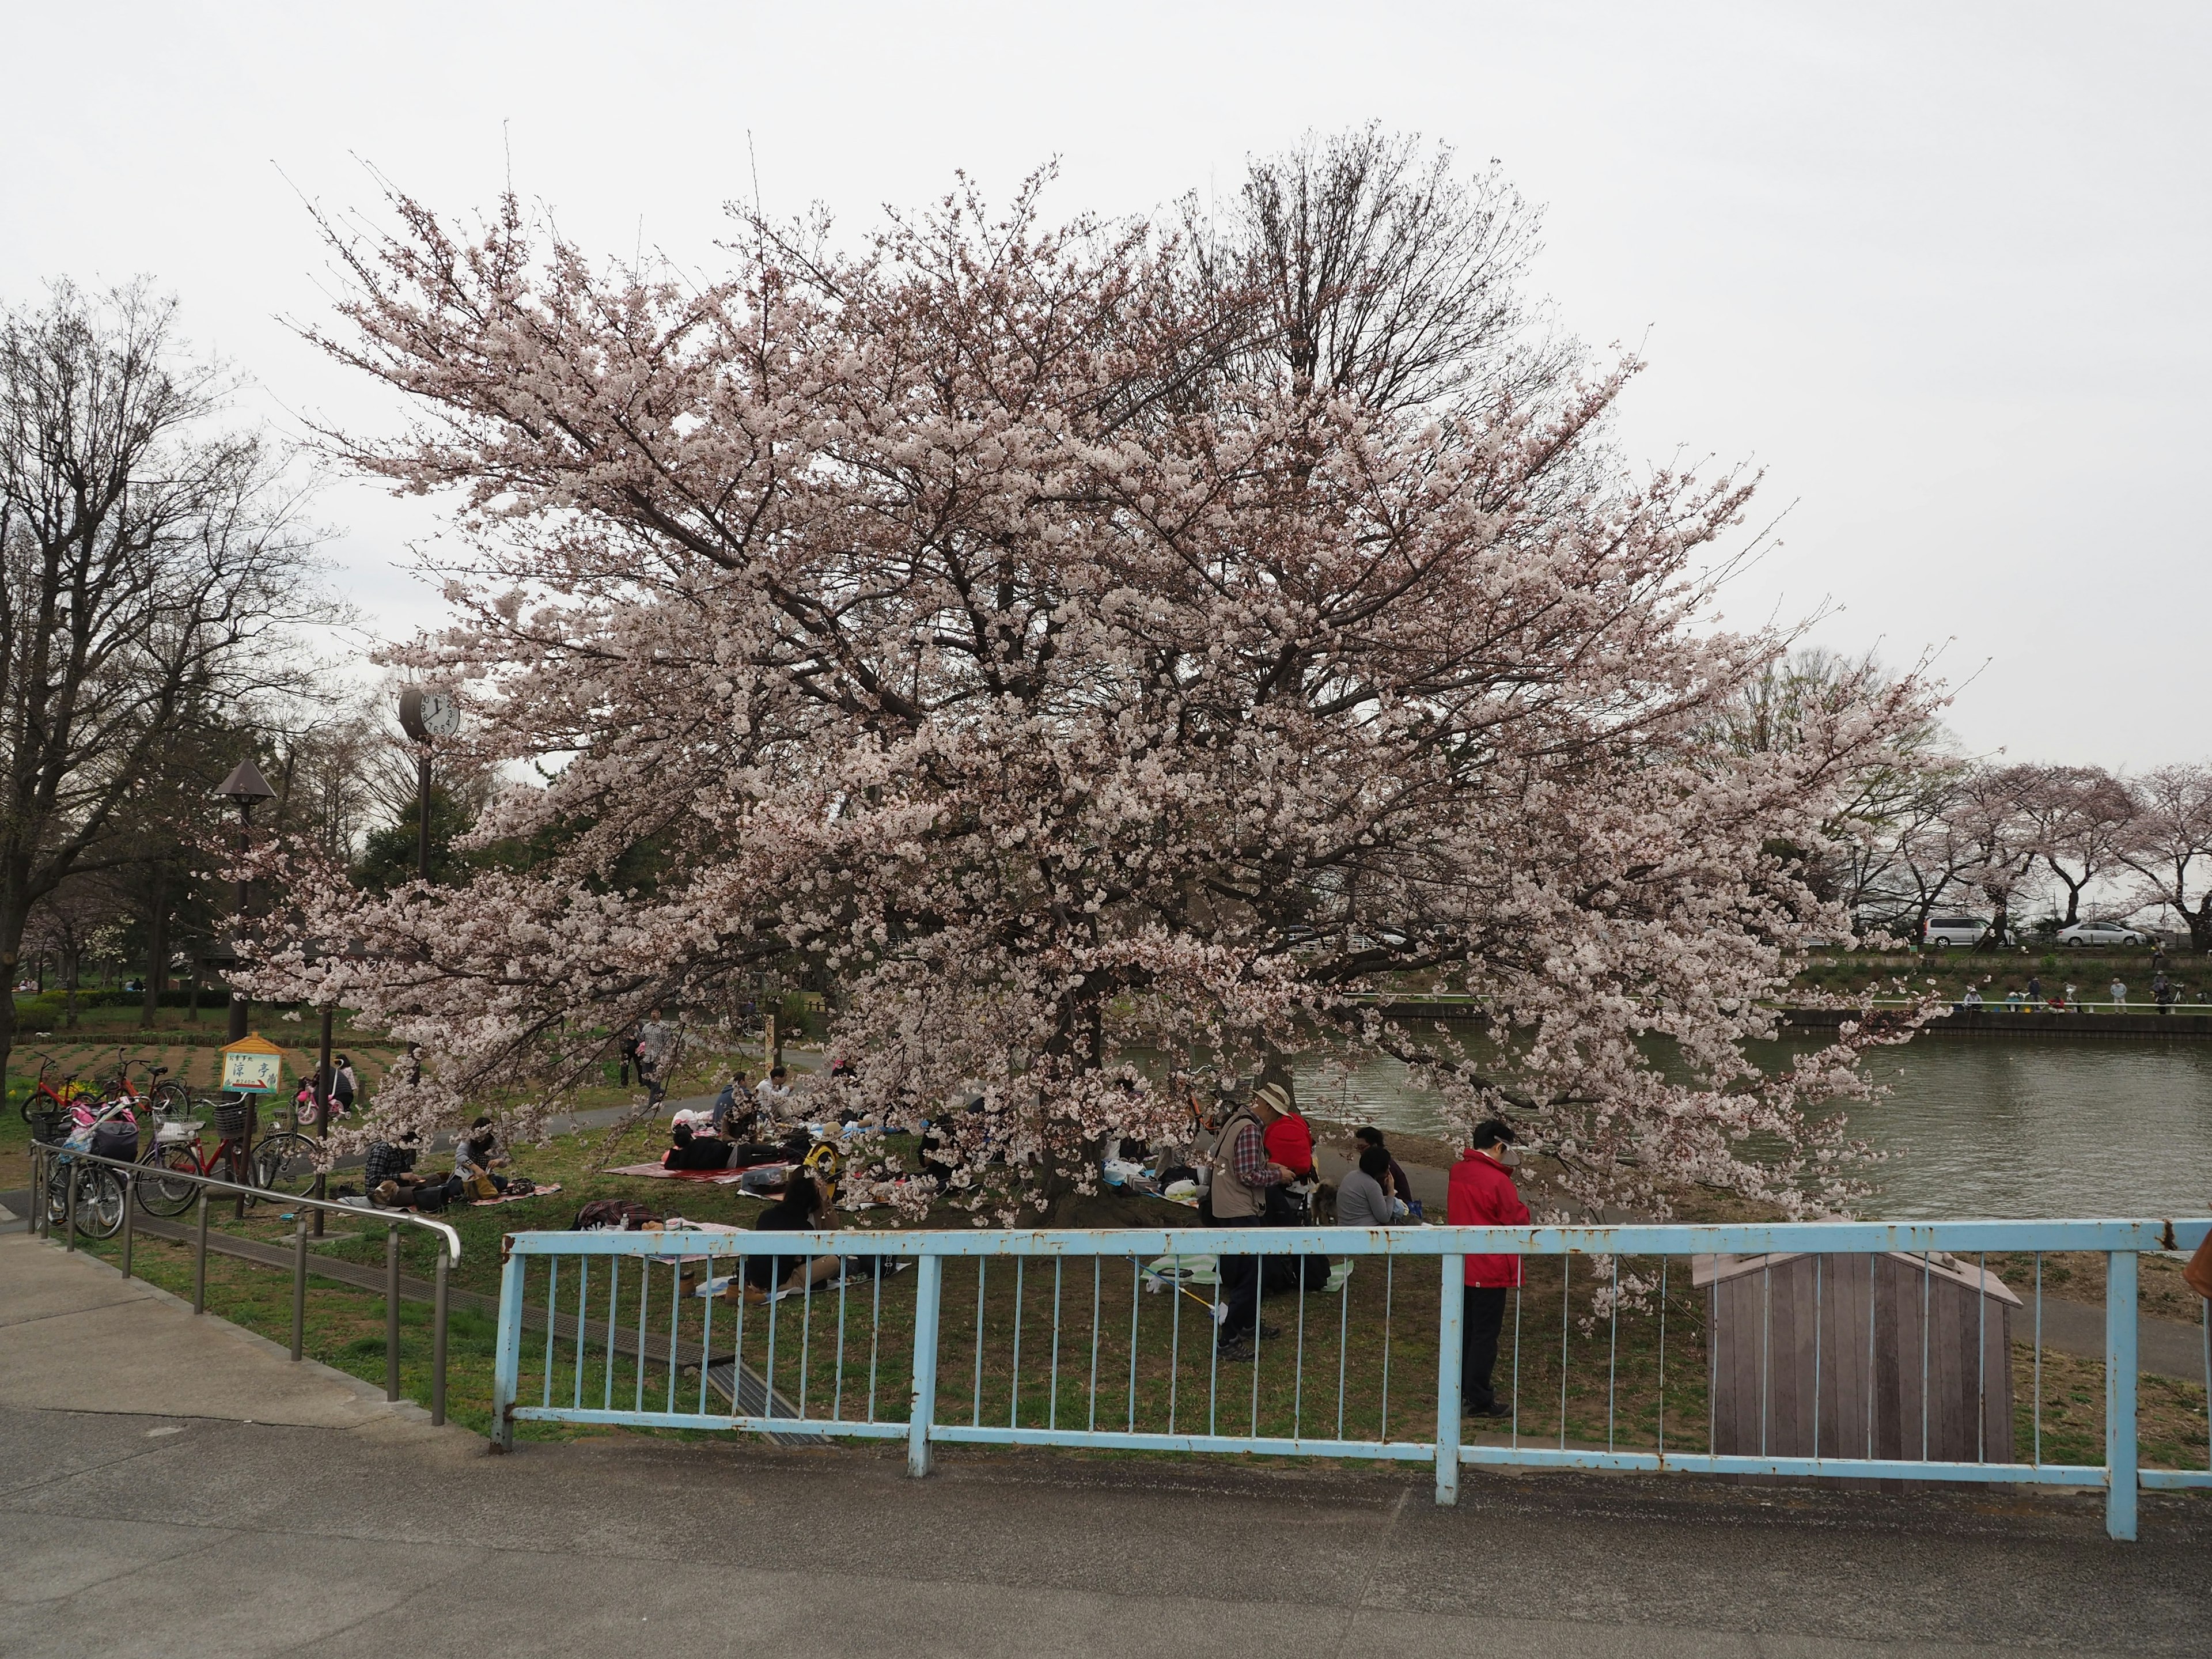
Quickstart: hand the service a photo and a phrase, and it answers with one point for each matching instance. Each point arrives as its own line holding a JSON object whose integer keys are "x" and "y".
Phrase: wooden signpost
{"x": 253, "y": 1066}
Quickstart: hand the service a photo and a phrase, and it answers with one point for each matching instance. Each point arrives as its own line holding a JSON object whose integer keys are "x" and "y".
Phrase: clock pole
{"x": 422, "y": 814}
{"x": 425, "y": 715}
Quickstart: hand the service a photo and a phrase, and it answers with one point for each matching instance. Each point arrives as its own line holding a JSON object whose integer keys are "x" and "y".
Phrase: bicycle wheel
{"x": 157, "y": 1196}
{"x": 284, "y": 1163}
{"x": 99, "y": 1201}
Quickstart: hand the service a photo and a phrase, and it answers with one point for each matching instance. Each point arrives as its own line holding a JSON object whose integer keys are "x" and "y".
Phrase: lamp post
{"x": 246, "y": 786}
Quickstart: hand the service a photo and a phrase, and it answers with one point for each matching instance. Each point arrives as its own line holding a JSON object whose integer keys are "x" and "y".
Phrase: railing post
{"x": 392, "y": 1313}
{"x": 129, "y": 1180}
{"x": 199, "y": 1260}
{"x": 1451, "y": 1336}
{"x": 300, "y": 1288}
{"x": 42, "y": 1181}
{"x": 921, "y": 1409}
{"x": 70, "y": 1184}
{"x": 438, "y": 1343}
{"x": 507, "y": 1360}
{"x": 2120, "y": 1393}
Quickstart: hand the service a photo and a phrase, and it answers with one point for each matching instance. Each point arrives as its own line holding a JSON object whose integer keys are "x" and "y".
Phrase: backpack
{"x": 611, "y": 1215}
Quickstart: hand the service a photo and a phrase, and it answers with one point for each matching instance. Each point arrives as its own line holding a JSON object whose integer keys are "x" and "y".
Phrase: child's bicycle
{"x": 282, "y": 1165}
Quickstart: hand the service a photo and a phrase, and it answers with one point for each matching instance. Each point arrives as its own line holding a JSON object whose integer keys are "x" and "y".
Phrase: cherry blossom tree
{"x": 2083, "y": 817}
{"x": 2168, "y": 846}
{"x": 989, "y": 617}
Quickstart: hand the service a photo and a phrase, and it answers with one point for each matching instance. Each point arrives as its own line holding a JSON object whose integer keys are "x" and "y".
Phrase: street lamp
{"x": 246, "y": 786}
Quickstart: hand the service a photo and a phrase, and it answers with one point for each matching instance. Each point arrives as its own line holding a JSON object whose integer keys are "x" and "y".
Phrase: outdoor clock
{"x": 425, "y": 713}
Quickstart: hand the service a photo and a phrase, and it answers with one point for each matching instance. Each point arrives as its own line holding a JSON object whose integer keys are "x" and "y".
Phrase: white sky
{"x": 1940, "y": 270}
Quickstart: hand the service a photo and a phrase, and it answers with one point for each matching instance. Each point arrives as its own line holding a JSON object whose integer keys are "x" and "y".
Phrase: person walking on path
{"x": 1481, "y": 1193}
{"x": 2119, "y": 996}
{"x": 1243, "y": 1175}
{"x": 656, "y": 1045}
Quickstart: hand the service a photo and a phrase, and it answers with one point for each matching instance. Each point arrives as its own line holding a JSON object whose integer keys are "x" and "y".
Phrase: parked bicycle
{"x": 282, "y": 1164}
{"x": 46, "y": 1097}
{"x": 106, "y": 1130}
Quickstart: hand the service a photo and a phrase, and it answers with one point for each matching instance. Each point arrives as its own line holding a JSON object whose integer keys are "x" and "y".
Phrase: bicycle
{"x": 101, "y": 1193}
{"x": 282, "y": 1165}
{"x": 43, "y": 1096}
{"x": 169, "y": 1097}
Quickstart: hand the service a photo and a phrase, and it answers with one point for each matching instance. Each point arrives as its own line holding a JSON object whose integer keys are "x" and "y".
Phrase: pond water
{"x": 2080, "y": 1127}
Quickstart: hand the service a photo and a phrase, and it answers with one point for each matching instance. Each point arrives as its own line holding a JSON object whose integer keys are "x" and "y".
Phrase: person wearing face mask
{"x": 1481, "y": 1193}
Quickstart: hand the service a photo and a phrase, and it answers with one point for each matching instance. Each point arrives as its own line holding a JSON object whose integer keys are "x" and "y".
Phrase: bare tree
{"x": 1381, "y": 275}
{"x": 2169, "y": 846}
{"x": 151, "y": 564}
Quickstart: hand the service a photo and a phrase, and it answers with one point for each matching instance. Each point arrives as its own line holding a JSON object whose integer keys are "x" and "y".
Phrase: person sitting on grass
{"x": 1362, "y": 1199}
{"x": 804, "y": 1207}
{"x": 1397, "y": 1186}
{"x": 476, "y": 1155}
{"x": 392, "y": 1161}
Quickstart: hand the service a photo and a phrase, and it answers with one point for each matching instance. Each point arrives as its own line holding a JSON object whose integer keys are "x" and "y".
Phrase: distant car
{"x": 1942, "y": 932}
{"x": 2083, "y": 933}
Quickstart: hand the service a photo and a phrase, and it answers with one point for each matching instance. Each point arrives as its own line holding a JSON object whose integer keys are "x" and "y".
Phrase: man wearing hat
{"x": 1243, "y": 1173}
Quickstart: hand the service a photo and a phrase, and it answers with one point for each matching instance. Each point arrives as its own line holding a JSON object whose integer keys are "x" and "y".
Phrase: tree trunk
{"x": 157, "y": 950}
{"x": 11, "y": 959}
{"x": 69, "y": 989}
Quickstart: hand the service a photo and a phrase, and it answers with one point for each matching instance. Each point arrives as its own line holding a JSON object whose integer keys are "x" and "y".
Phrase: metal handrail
{"x": 43, "y": 1153}
{"x": 215, "y": 1184}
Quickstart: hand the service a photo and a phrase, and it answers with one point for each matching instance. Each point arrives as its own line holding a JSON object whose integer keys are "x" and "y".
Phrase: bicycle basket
{"x": 230, "y": 1118}
{"x": 49, "y": 1127}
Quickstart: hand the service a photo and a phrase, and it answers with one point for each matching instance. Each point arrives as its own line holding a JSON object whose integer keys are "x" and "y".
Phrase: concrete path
{"x": 76, "y": 1335}
{"x": 140, "y": 1514}
{"x": 169, "y": 1536}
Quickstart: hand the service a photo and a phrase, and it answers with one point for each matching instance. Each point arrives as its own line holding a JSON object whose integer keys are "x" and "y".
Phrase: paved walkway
{"x": 141, "y": 1513}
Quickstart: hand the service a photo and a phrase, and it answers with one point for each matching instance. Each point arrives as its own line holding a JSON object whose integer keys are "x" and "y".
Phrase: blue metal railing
{"x": 659, "y": 1329}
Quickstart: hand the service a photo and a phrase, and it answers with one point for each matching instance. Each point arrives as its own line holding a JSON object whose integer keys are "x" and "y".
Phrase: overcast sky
{"x": 1940, "y": 270}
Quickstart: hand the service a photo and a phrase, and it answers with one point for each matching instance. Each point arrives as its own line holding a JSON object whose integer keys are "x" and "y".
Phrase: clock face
{"x": 441, "y": 714}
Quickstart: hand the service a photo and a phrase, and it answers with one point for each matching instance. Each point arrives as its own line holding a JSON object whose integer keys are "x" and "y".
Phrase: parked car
{"x": 2083, "y": 933}
{"x": 1943, "y": 931}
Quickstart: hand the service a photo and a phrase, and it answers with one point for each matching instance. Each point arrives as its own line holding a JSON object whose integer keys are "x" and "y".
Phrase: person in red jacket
{"x": 1481, "y": 1193}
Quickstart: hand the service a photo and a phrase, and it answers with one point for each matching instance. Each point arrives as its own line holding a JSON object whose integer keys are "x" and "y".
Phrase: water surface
{"x": 2079, "y": 1127}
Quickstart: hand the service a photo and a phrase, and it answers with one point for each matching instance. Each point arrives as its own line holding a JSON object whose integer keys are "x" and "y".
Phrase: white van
{"x": 1943, "y": 931}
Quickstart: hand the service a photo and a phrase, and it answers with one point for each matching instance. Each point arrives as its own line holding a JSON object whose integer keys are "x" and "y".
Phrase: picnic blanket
{"x": 716, "y": 1287}
{"x": 715, "y": 1177}
{"x": 515, "y": 1198}
{"x": 1203, "y": 1269}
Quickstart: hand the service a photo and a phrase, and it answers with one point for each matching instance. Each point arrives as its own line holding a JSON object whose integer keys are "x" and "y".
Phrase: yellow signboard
{"x": 254, "y": 1065}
